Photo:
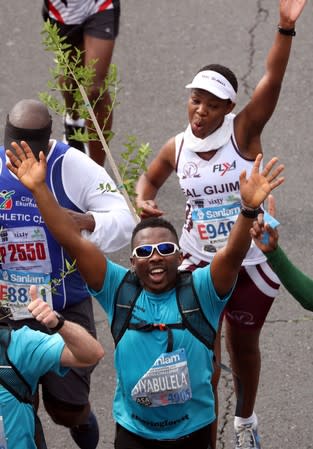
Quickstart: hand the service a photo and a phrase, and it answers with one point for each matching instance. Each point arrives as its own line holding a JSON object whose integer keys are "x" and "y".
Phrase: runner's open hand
{"x": 290, "y": 11}
{"x": 23, "y": 164}
{"x": 258, "y": 186}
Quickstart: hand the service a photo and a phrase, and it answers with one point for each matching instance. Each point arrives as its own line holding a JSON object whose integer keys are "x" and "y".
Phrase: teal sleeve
{"x": 299, "y": 285}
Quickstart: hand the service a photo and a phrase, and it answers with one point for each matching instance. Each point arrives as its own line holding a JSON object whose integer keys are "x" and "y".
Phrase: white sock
{"x": 253, "y": 419}
{"x": 70, "y": 121}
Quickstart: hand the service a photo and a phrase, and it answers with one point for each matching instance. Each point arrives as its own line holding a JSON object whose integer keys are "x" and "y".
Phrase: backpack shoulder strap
{"x": 192, "y": 315}
{"x": 10, "y": 377}
{"x": 124, "y": 301}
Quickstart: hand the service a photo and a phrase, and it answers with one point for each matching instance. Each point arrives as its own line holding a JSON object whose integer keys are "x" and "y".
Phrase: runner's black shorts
{"x": 102, "y": 25}
{"x": 195, "y": 440}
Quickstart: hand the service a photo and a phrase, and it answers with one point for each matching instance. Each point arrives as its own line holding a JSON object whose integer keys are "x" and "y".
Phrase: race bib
{"x": 25, "y": 249}
{"x": 25, "y": 260}
{"x": 213, "y": 225}
{"x": 14, "y": 291}
{"x": 165, "y": 383}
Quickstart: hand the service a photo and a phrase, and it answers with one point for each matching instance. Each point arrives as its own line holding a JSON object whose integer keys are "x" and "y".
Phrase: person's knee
{"x": 240, "y": 340}
{"x": 64, "y": 414}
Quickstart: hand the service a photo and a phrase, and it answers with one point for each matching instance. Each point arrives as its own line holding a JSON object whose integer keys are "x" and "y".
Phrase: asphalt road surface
{"x": 160, "y": 47}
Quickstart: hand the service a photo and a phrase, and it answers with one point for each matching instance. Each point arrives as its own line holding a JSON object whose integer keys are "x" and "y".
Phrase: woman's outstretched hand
{"x": 255, "y": 189}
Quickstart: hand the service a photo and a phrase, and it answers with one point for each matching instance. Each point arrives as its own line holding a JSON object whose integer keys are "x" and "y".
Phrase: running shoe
{"x": 247, "y": 437}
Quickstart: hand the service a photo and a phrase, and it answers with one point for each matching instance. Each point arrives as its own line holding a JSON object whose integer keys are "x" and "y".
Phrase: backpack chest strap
{"x": 149, "y": 327}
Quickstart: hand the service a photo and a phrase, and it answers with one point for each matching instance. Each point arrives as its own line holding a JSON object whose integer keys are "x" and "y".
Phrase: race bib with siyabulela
{"x": 165, "y": 383}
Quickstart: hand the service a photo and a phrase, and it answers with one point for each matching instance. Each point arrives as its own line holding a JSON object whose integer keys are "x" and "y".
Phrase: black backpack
{"x": 13, "y": 381}
{"x": 192, "y": 315}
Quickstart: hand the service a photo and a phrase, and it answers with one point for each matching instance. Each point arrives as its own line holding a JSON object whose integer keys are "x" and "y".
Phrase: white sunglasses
{"x": 163, "y": 248}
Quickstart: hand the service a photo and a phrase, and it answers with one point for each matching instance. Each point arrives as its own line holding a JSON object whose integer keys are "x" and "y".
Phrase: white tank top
{"x": 212, "y": 199}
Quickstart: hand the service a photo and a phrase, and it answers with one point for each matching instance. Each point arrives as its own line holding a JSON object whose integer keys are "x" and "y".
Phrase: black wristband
{"x": 286, "y": 32}
{"x": 60, "y": 324}
{"x": 250, "y": 213}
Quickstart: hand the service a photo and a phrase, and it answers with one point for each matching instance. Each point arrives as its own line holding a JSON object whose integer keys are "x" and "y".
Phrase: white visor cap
{"x": 215, "y": 83}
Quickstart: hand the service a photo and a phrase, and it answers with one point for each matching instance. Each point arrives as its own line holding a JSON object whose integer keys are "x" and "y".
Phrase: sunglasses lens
{"x": 144, "y": 251}
{"x": 166, "y": 248}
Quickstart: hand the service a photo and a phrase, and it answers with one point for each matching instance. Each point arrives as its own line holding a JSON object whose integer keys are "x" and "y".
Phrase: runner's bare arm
{"x": 152, "y": 180}
{"x": 250, "y": 122}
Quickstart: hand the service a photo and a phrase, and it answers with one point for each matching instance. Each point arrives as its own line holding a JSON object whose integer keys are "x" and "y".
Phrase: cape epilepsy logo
{"x": 6, "y": 199}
